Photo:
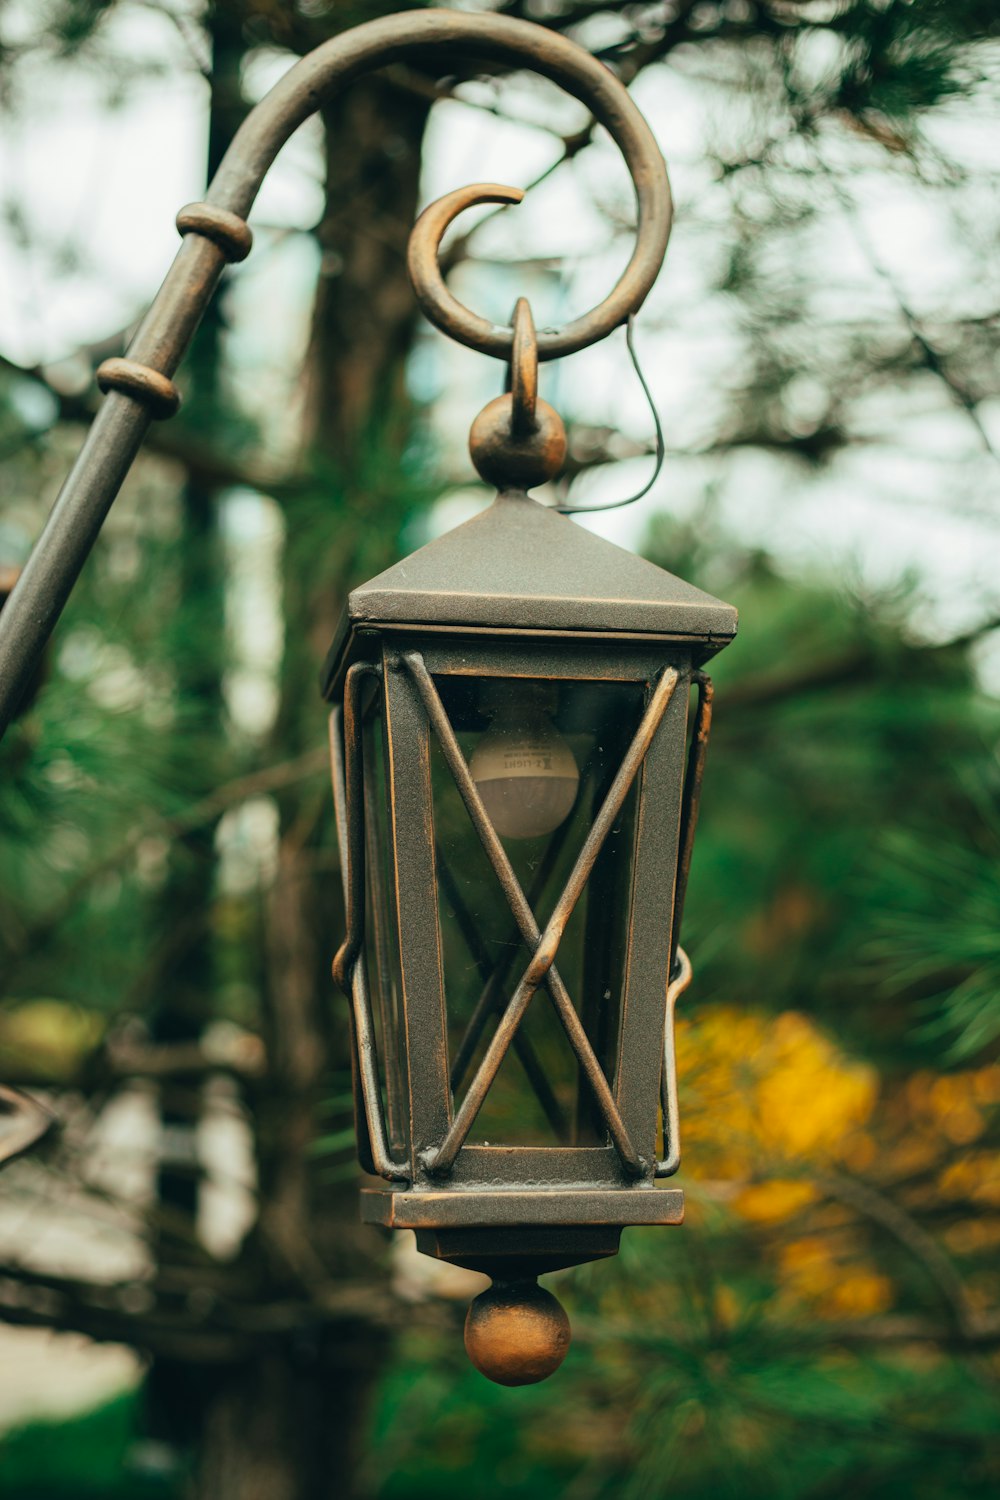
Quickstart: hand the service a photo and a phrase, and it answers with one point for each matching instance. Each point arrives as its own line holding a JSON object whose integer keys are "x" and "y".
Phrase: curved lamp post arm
{"x": 23, "y": 1122}
{"x": 140, "y": 388}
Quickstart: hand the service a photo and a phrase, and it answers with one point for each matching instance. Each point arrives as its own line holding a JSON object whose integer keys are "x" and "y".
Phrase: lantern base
{"x": 516, "y": 1333}
{"x": 520, "y": 1254}
{"x": 510, "y": 1234}
{"x": 510, "y": 1207}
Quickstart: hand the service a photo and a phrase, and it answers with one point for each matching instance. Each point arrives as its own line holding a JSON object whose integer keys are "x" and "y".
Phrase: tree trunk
{"x": 287, "y": 1424}
{"x": 290, "y": 1424}
{"x": 183, "y": 998}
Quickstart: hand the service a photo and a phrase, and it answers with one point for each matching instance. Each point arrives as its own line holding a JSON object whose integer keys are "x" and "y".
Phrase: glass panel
{"x": 381, "y": 945}
{"x": 543, "y": 755}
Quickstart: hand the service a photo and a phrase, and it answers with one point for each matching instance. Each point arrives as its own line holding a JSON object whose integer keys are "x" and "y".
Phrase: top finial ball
{"x": 516, "y": 1334}
{"x": 521, "y": 462}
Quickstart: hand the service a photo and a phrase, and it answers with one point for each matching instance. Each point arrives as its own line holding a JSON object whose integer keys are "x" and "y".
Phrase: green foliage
{"x": 79, "y": 1458}
{"x": 106, "y": 754}
{"x": 935, "y": 939}
{"x": 834, "y": 737}
{"x": 679, "y": 1403}
{"x": 696, "y": 1368}
{"x": 902, "y": 57}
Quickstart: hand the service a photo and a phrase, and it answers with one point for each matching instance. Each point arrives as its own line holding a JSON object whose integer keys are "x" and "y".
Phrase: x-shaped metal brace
{"x": 543, "y": 945}
{"x": 349, "y": 965}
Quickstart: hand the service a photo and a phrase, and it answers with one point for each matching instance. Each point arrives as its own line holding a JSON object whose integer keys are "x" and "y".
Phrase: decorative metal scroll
{"x": 140, "y": 388}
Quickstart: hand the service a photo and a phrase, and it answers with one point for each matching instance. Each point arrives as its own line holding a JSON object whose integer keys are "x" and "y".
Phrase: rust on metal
{"x": 378, "y": 896}
{"x": 519, "y": 571}
{"x": 497, "y": 1206}
{"x": 518, "y": 441}
{"x": 424, "y": 245}
{"x": 518, "y": 593}
{"x": 456, "y": 320}
{"x": 441, "y": 1158}
{"x": 156, "y": 392}
{"x": 517, "y": 1211}
{"x": 546, "y": 950}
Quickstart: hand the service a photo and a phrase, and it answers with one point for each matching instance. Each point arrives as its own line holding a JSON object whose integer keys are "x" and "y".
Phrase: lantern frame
{"x": 518, "y": 562}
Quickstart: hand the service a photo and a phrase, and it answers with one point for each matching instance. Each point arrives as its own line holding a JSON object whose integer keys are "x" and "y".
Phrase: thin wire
{"x": 576, "y": 510}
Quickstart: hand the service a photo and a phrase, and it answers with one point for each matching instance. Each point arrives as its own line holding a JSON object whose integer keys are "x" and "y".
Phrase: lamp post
{"x": 515, "y": 776}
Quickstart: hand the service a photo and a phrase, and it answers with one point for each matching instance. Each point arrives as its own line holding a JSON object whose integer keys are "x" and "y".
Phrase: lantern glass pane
{"x": 543, "y": 755}
{"x": 381, "y": 938}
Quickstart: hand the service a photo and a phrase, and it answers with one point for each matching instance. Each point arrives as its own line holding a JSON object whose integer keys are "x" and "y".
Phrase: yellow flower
{"x": 760, "y": 1091}
{"x": 775, "y": 1200}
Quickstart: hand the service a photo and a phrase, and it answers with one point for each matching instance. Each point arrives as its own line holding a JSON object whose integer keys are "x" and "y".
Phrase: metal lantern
{"x": 516, "y": 787}
{"x": 515, "y": 766}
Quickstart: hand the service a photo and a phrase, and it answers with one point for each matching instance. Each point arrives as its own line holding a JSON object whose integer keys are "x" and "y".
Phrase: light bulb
{"x": 522, "y": 766}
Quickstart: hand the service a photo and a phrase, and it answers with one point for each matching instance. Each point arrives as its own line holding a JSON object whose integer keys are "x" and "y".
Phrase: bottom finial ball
{"x": 516, "y": 1333}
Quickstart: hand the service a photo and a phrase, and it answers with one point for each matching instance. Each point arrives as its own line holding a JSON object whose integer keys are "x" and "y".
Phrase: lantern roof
{"x": 519, "y": 565}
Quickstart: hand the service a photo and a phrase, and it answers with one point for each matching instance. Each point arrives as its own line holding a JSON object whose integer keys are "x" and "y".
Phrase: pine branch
{"x": 229, "y": 1322}
{"x": 192, "y": 39}
{"x": 186, "y": 1060}
{"x": 205, "y": 811}
{"x": 929, "y": 356}
{"x": 857, "y": 664}
{"x": 882, "y": 1210}
{"x": 860, "y": 1333}
{"x": 202, "y": 462}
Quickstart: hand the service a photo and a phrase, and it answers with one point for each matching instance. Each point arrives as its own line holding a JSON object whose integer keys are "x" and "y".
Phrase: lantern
{"x": 516, "y": 778}
{"x": 516, "y": 788}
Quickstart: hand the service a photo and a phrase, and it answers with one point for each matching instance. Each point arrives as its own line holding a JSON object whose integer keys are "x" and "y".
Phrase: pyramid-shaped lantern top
{"x": 521, "y": 566}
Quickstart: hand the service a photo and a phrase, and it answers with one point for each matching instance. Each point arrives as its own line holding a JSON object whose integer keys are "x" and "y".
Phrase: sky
{"x": 88, "y": 196}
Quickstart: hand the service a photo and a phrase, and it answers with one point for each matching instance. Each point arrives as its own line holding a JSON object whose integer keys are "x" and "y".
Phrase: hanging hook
{"x": 523, "y": 372}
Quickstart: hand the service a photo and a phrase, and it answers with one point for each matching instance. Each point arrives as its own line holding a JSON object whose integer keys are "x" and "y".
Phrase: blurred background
{"x": 188, "y": 1306}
